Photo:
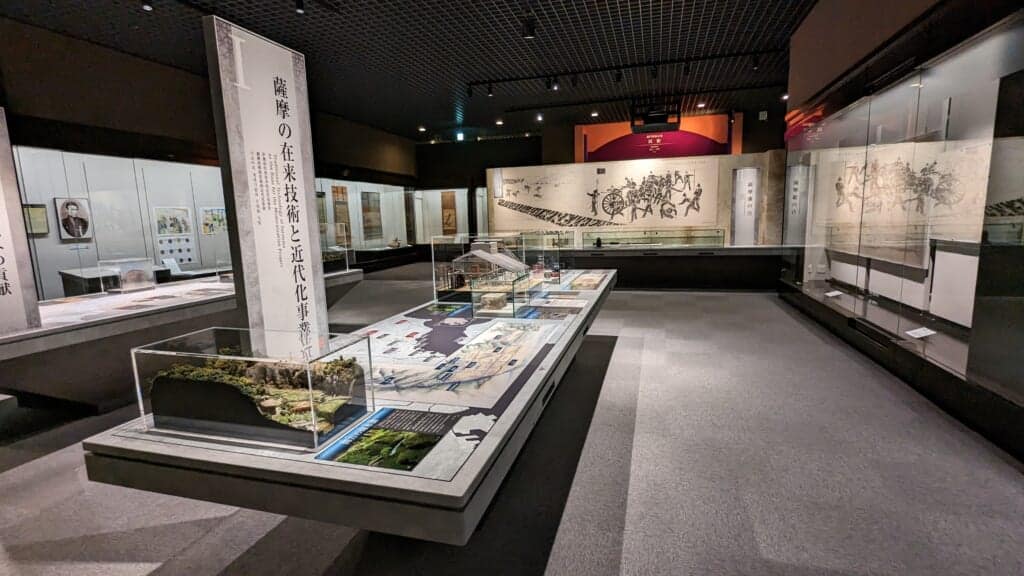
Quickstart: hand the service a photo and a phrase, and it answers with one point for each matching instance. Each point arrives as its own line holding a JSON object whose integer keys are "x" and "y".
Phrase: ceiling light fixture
{"x": 554, "y": 84}
{"x": 527, "y": 134}
{"x": 594, "y": 114}
{"x": 300, "y": 6}
{"x": 529, "y": 28}
{"x": 459, "y": 136}
{"x": 785, "y": 97}
{"x": 701, "y": 104}
{"x": 422, "y": 128}
{"x": 755, "y": 62}
{"x": 540, "y": 117}
{"x": 490, "y": 90}
{"x": 147, "y": 6}
{"x": 499, "y": 122}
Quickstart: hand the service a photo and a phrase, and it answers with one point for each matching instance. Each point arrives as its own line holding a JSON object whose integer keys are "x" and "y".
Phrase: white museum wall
{"x": 392, "y": 211}
{"x": 122, "y": 193}
{"x": 561, "y": 196}
{"x": 428, "y": 213}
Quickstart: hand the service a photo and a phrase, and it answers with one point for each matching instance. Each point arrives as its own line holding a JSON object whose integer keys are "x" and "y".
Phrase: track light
{"x": 554, "y": 84}
{"x": 755, "y": 62}
{"x": 499, "y": 122}
{"x": 147, "y": 6}
{"x": 490, "y": 90}
{"x": 300, "y": 6}
{"x": 701, "y": 104}
{"x": 618, "y": 76}
{"x": 459, "y": 136}
{"x": 540, "y": 117}
{"x": 529, "y": 28}
{"x": 422, "y": 128}
{"x": 594, "y": 114}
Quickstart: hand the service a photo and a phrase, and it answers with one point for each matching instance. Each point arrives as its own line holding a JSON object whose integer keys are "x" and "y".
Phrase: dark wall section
{"x": 66, "y": 93}
{"x": 465, "y": 164}
{"x": 558, "y": 144}
{"x": 764, "y": 135}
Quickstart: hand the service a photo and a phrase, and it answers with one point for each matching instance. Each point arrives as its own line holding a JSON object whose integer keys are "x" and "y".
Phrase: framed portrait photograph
{"x": 173, "y": 221}
{"x": 74, "y": 217}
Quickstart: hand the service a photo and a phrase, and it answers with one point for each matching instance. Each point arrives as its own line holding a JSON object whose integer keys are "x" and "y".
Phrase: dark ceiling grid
{"x": 396, "y": 64}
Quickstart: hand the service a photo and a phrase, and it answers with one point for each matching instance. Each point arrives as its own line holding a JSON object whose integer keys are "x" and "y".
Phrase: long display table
{"x": 455, "y": 399}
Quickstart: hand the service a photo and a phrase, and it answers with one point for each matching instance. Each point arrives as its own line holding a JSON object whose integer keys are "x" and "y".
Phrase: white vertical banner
{"x": 798, "y": 178}
{"x": 19, "y": 308}
{"x": 746, "y": 194}
{"x": 269, "y": 163}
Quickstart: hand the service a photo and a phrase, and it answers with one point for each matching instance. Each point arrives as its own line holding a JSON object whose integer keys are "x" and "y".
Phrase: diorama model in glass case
{"x": 255, "y": 385}
{"x": 127, "y": 274}
{"x": 502, "y": 293}
{"x": 334, "y": 248}
{"x": 460, "y": 258}
{"x": 675, "y": 238}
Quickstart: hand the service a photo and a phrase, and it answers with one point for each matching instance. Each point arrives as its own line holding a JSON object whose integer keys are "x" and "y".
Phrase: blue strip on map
{"x": 332, "y": 451}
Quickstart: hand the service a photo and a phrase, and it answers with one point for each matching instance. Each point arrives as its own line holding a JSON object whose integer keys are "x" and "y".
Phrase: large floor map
{"x": 441, "y": 378}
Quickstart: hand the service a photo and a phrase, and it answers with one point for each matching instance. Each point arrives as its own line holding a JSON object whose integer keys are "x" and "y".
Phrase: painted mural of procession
{"x": 664, "y": 196}
{"x": 886, "y": 187}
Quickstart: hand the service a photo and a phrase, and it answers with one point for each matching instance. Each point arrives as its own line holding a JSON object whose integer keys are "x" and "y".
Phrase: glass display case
{"x": 503, "y": 293}
{"x": 334, "y": 248}
{"x": 460, "y": 258}
{"x": 255, "y": 385}
{"x": 543, "y": 253}
{"x": 610, "y": 239}
{"x": 127, "y": 274}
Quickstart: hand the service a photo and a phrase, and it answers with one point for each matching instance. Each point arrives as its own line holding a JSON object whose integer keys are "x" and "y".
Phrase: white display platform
{"x": 441, "y": 498}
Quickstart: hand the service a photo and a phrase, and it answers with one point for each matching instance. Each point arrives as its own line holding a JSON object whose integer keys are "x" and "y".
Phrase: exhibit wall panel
{"x": 430, "y": 210}
{"x": 168, "y": 190}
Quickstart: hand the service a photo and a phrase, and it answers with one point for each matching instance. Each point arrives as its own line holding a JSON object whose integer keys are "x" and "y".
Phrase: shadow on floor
{"x": 517, "y": 532}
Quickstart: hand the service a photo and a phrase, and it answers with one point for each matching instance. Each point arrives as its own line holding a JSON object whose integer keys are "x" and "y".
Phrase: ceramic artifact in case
{"x": 255, "y": 385}
{"x": 127, "y": 274}
{"x": 654, "y": 238}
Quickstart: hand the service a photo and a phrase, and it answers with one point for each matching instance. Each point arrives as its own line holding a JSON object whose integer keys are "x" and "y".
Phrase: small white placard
{"x": 833, "y": 294}
{"x": 920, "y": 332}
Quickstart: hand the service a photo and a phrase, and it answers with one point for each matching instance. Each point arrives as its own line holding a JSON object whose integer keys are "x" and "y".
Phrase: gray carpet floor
{"x": 697, "y": 433}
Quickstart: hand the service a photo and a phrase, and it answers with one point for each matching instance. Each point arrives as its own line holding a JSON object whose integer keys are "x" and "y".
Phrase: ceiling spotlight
{"x": 459, "y": 136}
{"x": 755, "y": 63}
{"x": 554, "y": 84}
{"x": 300, "y": 6}
{"x": 147, "y": 6}
{"x": 490, "y": 90}
{"x": 785, "y": 97}
{"x": 540, "y": 117}
{"x": 499, "y": 122}
{"x": 527, "y": 134}
{"x": 618, "y": 76}
{"x": 529, "y": 28}
{"x": 433, "y": 141}
{"x": 594, "y": 114}
{"x": 701, "y": 104}
{"x": 422, "y": 128}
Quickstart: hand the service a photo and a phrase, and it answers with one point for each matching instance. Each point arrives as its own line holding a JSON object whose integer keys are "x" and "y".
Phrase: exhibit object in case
{"x": 127, "y": 274}
{"x": 503, "y": 293}
{"x": 216, "y": 382}
{"x": 543, "y": 253}
{"x": 612, "y": 238}
{"x": 334, "y": 248}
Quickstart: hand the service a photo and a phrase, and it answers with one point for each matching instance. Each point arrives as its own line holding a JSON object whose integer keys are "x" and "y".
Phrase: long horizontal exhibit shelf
{"x": 471, "y": 389}
{"x": 81, "y": 331}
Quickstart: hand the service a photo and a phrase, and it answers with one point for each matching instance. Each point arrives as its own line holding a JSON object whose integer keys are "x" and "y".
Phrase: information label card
{"x": 261, "y": 87}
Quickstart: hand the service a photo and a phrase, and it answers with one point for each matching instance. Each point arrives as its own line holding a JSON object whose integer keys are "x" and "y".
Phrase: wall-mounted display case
{"x": 653, "y": 238}
{"x": 334, "y": 247}
{"x": 255, "y": 385}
